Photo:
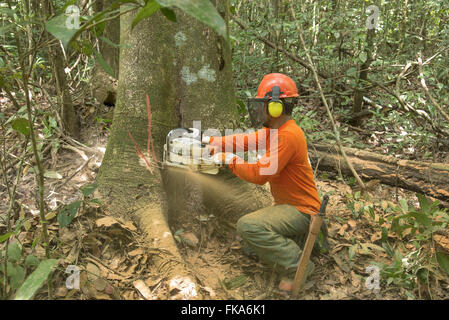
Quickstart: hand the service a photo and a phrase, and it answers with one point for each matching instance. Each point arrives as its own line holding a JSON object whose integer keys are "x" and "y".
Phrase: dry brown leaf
{"x": 340, "y": 263}
{"x": 39, "y": 252}
{"x": 106, "y": 222}
{"x": 152, "y": 281}
{"x": 338, "y": 247}
{"x": 114, "y": 276}
{"x": 358, "y": 206}
{"x": 129, "y": 226}
{"x": 143, "y": 289}
{"x": 129, "y": 295}
{"x": 102, "y": 296}
{"x": 114, "y": 263}
{"x": 100, "y": 284}
{"x": 138, "y": 251}
{"x": 189, "y": 239}
{"x": 210, "y": 291}
{"x": 93, "y": 272}
{"x": 352, "y": 223}
{"x": 376, "y": 236}
{"x": 109, "y": 289}
{"x": 355, "y": 280}
{"x": 334, "y": 294}
{"x": 65, "y": 235}
{"x": 131, "y": 270}
{"x": 442, "y": 241}
{"x": 71, "y": 257}
{"x": 61, "y": 292}
{"x": 50, "y": 215}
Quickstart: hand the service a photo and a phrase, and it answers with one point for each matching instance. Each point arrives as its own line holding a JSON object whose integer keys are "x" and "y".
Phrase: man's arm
{"x": 240, "y": 142}
{"x": 269, "y": 166}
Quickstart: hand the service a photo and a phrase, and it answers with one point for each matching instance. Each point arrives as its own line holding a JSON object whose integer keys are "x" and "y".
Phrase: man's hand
{"x": 223, "y": 157}
{"x": 211, "y": 150}
{"x": 205, "y": 139}
{"x": 209, "y": 146}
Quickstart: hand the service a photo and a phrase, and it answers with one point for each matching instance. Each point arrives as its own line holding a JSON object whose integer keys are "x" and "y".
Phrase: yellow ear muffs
{"x": 275, "y": 109}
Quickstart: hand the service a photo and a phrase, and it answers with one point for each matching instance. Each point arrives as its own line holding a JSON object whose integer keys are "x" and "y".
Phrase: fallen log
{"x": 428, "y": 178}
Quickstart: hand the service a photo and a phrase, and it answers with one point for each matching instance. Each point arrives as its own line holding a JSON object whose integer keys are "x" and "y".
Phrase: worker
{"x": 272, "y": 232}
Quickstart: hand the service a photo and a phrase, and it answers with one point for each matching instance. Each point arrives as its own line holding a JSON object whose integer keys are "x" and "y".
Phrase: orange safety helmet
{"x": 285, "y": 83}
{"x": 272, "y": 89}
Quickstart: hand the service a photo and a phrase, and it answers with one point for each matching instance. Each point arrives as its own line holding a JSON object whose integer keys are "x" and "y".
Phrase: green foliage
{"x": 68, "y": 212}
{"x": 149, "y": 9}
{"x": 50, "y": 127}
{"x": 415, "y": 226}
{"x": 339, "y": 43}
{"x": 58, "y": 28}
{"x": 203, "y": 10}
{"x": 443, "y": 260}
{"x": 21, "y": 125}
{"x": 35, "y": 279}
{"x": 106, "y": 67}
{"x": 18, "y": 265}
{"x": 308, "y": 123}
{"x": 89, "y": 189}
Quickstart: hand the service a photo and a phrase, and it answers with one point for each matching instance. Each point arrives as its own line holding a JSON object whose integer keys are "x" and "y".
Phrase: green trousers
{"x": 273, "y": 233}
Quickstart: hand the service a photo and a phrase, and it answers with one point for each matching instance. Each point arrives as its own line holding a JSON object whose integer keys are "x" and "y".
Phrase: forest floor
{"x": 116, "y": 261}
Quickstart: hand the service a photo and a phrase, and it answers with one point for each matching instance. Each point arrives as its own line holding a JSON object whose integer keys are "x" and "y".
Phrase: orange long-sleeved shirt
{"x": 287, "y": 162}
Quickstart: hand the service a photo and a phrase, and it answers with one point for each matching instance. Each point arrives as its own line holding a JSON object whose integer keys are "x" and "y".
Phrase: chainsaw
{"x": 184, "y": 149}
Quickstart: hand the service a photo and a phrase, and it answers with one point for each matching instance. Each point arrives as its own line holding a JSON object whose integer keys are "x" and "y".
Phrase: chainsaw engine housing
{"x": 183, "y": 149}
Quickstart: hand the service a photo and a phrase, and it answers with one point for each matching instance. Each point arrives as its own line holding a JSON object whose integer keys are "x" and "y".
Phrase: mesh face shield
{"x": 256, "y": 110}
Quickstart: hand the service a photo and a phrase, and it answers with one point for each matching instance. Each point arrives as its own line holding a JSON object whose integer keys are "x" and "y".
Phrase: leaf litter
{"x": 116, "y": 263}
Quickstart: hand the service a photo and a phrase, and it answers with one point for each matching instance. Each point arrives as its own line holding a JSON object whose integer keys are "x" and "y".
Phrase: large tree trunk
{"x": 428, "y": 178}
{"x": 186, "y": 70}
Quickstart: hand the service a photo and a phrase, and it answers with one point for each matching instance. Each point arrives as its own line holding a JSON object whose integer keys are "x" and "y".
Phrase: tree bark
{"x": 186, "y": 70}
{"x": 431, "y": 179}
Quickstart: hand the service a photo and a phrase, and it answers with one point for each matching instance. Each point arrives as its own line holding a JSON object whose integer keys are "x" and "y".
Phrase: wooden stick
{"x": 314, "y": 229}
{"x": 315, "y": 226}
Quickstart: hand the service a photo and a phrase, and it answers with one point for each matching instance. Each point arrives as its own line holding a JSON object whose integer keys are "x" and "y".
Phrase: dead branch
{"x": 427, "y": 91}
